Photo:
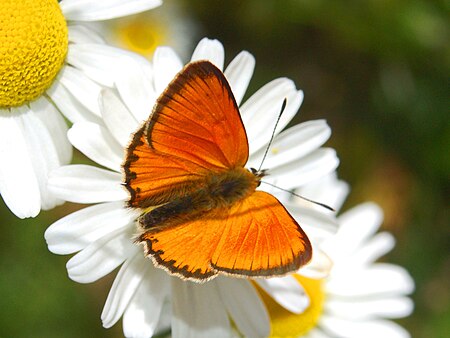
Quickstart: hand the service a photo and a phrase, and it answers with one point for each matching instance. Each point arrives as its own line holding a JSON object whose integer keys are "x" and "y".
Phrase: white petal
{"x": 81, "y": 228}
{"x": 166, "y": 64}
{"x": 101, "y": 62}
{"x": 366, "y": 308}
{"x": 239, "y": 72}
{"x": 244, "y": 306}
{"x": 117, "y": 117}
{"x": 261, "y": 110}
{"x": 69, "y": 106}
{"x": 142, "y": 315}
{"x": 135, "y": 88}
{"x": 316, "y": 333}
{"x": 96, "y": 142}
{"x": 211, "y": 50}
{"x": 198, "y": 311}
{"x": 293, "y": 143}
{"x": 57, "y": 127}
{"x": 376, "y": 247}
{"x": 287, "y": 292}
{"x": 357, "y": 226}
{"x": 124, "y": 287}
{"x": 86, "y": 184}
{"x": 379, "y": 279}
{"x": 89, "y": 59}
{"x": 82, "y": 88}
{"x": 43, "y": 153}
{"x": 367, "y": 329}
{"x": 328, "y": 190}
{"x": 92, "y": 10}
{"x": 83, "y": 34}
{"x": 103, "y": 256}
{"x": 319, "y": 266}
{"x": 318, "y": 225}
{"x": 319, "y": 163}
{"x": 16, "y": 169}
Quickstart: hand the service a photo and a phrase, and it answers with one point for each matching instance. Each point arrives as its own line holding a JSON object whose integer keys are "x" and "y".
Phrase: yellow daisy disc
{"x": 286, "y": 324}
{"x": 33, "y": 46}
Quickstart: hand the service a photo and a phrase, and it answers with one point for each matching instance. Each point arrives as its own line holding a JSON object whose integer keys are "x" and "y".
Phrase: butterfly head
{"x": 259, "y": 174}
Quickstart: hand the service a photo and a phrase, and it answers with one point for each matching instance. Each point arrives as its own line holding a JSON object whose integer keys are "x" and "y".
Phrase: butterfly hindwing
{"x": 261, "y": 239}
{"x": 256, "y": 237}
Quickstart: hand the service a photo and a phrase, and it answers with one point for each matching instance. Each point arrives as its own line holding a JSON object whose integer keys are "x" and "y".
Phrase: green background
{"x": 376, "y": 70}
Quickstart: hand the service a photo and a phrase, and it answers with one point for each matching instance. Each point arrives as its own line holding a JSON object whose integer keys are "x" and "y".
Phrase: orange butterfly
{"x": 202, "y": 214}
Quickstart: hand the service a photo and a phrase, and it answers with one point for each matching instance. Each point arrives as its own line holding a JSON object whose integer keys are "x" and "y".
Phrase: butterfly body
{"x": 217, "y": 191}
{"x": 201, "y": 211}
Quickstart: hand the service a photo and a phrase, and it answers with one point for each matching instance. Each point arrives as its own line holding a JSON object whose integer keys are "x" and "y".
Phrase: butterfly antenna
{"x": 303, "y": 198}
{"x": 283, "y": 106}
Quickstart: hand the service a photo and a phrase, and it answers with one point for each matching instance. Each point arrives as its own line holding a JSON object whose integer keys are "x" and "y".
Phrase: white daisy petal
{"x": 328, "y": 190}
{"x": 287, "y": 292}
{"x": 378, "y": 279}
{"x": 101, "y": 62}
{"x": 92, "y": 10}
{"x": 86, "y": 184}
{"x": 83, "y": 34}
{"x": 361, "y": 308}
{"x": 42, "y": 152}
{"x": 318, "y": 225}
{"x": 316, "y": 333}
{"x": 142, "y": 315}
{"x": 293, "y": 143}
{"x": 117, "y": 117}
{"x": 102, "y": 256}
{"x": 124, "y": 287}
{"x": 260, "y": 112}
{"x": 81, "y": 228}
{"x": 197, "y": 311}
{"x": 351, "y": 234}
{"x": 86, "y": 57}
{"x": 16, "y": 169}
{"x": 239, "y": 72}
{"x": 166, "y": 65}
{"x": 311, "y": 167}
{"x": 367, "y": 329}
{"x": 69, "y": 106}
{"x": 319, "y": 267}
{"x": 211, "y": 50}
{"x": 56, "y": 126}
{"x": 136, "y": 89}
{"x": 250, "y": 316}
{"x": 376, "y": 247}
{"x": 86, "y": 91}
{"x": 96, "y": 142}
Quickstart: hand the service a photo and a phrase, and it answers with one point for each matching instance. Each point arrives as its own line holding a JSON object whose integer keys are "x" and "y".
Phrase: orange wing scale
{"x": 255, "y": 237}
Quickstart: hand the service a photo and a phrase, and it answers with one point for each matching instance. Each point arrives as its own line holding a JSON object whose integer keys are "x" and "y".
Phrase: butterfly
{"x": 201, "y": 213}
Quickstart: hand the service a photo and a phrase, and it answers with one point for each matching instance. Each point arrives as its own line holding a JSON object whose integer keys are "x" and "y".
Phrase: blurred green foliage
{"x": 377, "y": 71}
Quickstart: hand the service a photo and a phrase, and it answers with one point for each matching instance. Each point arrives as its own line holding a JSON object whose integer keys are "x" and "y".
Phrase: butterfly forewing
{"x": 195, "y": 130}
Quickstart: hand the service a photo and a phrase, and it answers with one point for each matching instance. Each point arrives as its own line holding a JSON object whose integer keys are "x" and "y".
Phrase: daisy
{"x": 144, "y": 32}
{"x": 103, "y": 233}
{"x": 359, "y": 296}
{"x": 46, "y": 59}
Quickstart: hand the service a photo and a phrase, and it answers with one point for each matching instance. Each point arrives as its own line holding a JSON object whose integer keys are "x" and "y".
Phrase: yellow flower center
{"x": 140, "y": 33}
{"x": 287, "y": 324}
{"x": 33, "y": 46}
